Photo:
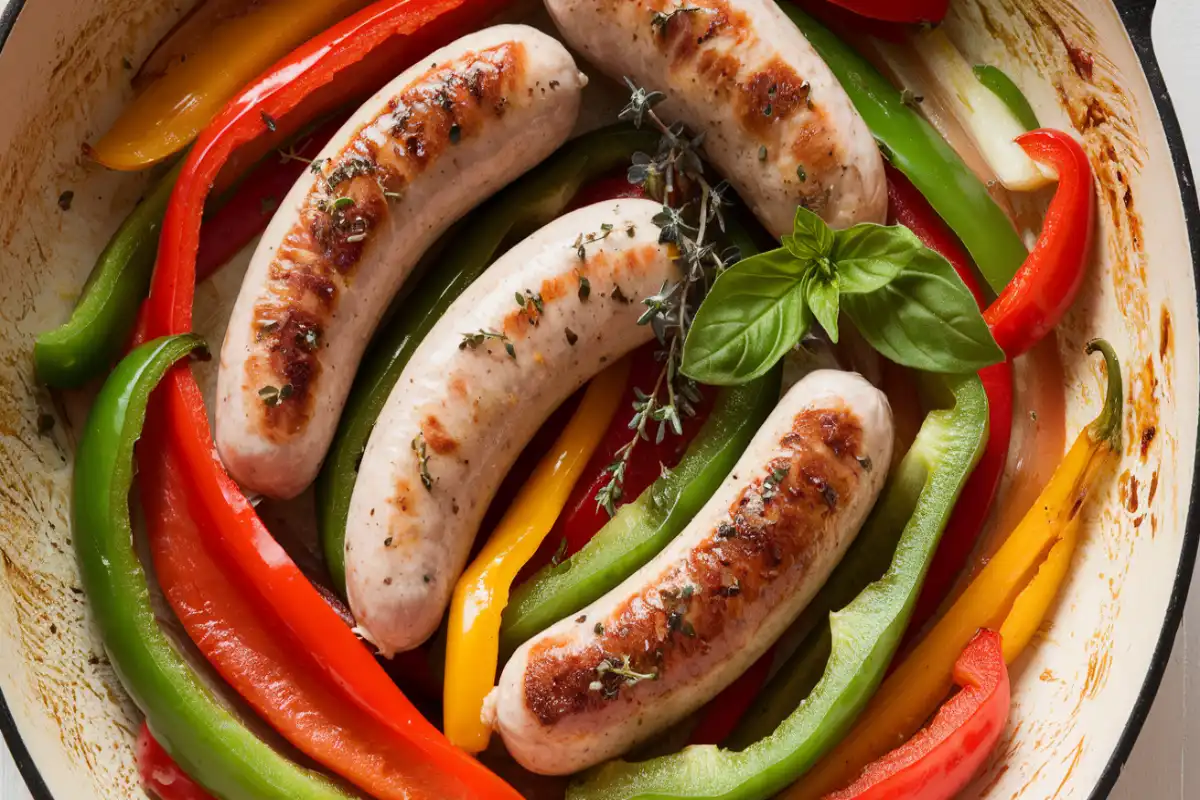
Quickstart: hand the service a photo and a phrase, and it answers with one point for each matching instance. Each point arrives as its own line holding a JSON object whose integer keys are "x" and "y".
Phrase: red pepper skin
{"x": 611, "y": 187}
{"x": 908, "y": 11}
{"x": 940, "y": 760}
{"x": 236, "y": 536}
{"x": 725, "y": 711}
{"x": 1046, "y": 284}
{"x": 582, "y": 518}
{"x": 908, "y": 207}
{"x": 161, "y": 775}
{"x": 235, "y": 224}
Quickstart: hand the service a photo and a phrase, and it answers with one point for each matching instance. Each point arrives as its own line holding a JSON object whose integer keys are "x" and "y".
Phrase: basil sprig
{"x": 905, "y": 299}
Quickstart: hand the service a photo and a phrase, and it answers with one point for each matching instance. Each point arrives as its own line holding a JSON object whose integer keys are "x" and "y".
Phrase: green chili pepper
{"x": 864, "y": 634}
{"x": 644, "y": 527}
{"x": 535, "y": 200}
{"x": 197, "y": 730}
{"x": 1009, "y": 93}
{"x": 912, "y": 145}
{"x": 87, "y": 344}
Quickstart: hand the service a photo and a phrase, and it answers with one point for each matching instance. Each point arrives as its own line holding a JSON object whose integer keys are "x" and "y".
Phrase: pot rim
{"x": 1137, "y": 16}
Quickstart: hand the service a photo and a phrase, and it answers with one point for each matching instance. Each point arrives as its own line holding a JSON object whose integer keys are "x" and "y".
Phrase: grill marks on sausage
{"x": 339, "y": 234}
{"x": 774, "y": 530}
{"x": 320, "y": 255}
{"x": 773, "y": 93}
{"x": 770, "y": 100}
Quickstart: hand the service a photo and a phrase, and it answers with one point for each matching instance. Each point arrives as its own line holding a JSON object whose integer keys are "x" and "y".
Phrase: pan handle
{"x": 1137, "y": 16}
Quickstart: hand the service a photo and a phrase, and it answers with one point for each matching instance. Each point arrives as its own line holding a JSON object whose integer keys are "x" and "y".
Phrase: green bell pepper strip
{"x": 87, "y": 344}
{"x": 193, "y": 726}
{"x": 995, "y": 79}
{"x": 644, "y": 527}
{"x": 533, "y": 201}
{"x": 912, "y": 145}
{"x": 864, "y": 634}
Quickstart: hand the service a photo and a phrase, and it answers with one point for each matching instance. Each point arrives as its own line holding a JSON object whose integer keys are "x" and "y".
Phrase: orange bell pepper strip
{"x": 166, "y": 117}
{"x": 232, "y": 531}
{"x": 473, "y": 644}
{"x": 1012, "y": 593}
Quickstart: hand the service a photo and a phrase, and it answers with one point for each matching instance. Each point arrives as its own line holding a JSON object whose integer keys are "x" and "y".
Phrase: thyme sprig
{"x": 473, "y": 340}
{"x": 692, "y": 208}
{"x": 623, "y": 669}
{"x": 583, "y": 240}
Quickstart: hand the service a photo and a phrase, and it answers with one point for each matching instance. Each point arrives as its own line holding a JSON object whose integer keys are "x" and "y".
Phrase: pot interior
{"x": 65, "y": 76}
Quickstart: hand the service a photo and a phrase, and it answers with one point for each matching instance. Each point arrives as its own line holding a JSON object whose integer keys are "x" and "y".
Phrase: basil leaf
{"x": 754, "y": 313}
{"x": 822, "y": 299}
{"x": 811, "y": 238}
{"x": 925, "y": 318}
{"x": 869, "y": 256}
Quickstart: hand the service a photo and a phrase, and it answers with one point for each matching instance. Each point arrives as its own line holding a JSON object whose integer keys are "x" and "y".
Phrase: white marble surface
{"x": 1158, "y": 769}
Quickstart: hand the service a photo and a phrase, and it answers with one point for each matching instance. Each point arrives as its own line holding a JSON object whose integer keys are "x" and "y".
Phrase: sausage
{"x": 776, "y": 121}
{"x": 425, "y": 150}
{"x": 474, "y": 393}
{"x": 682, "y": 628}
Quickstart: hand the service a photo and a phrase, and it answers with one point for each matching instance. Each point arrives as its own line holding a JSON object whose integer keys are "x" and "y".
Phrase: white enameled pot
{"x": 1082, "y": 693}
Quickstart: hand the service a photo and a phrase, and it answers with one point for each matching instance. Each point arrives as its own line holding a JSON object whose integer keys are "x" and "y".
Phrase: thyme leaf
{"x": 272, "y": 396}
{"x": 622, "y": 669}
{"x": 473, "y": 340}
{"x": 422, "y": 453}
{"x": 662, "y": 19}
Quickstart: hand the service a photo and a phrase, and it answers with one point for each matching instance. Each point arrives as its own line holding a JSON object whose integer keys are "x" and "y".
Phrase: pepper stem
{"x": 1107, "y": 426}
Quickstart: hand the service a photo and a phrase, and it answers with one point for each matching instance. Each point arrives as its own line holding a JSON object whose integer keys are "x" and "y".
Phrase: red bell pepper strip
{"x": 908, "y": 207}
{"x": 914, "y": 11}
{"x": 246, "y": 214}
{"x": 234, "y": 535}
{"x": 582, "y": 517}
{"x": 1046, "y": 284}
{"x": 610, "y": 187}
{"x": 161, "y": 775}
{"x": 246, "y": 648}
{"x": 940, "y": 760}
{"x": 724, "y": 712}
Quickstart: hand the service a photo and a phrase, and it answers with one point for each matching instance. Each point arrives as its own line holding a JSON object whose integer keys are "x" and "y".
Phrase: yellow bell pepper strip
{"x": 1031, "y": 605}
{"x": 473, "y": 642}
{"x": 173, "y": 109}
{"x": 1011, "y": 590}
{"x": 189, "y": 35}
